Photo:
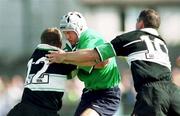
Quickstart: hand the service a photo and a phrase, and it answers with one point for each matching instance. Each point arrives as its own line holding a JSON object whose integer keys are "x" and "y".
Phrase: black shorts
{"x": 26, "y": 109}
{"x": 158, "y": 99}
{"x": 104, "y": 102}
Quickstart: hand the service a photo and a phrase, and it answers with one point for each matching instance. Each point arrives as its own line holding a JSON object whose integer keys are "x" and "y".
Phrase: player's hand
{"x": 56, "y": 56}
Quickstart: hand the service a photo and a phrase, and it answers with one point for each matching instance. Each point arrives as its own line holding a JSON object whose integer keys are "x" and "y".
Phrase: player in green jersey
{"x": 101, "y": 95}
{"x": 147, "y": 56}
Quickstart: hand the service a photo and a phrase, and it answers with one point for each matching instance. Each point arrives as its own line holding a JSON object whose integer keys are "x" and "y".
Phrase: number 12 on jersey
{"x": 39, "y": 77}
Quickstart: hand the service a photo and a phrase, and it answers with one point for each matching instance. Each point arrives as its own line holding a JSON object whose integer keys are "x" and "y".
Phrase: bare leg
{"x": 90, "y": 112}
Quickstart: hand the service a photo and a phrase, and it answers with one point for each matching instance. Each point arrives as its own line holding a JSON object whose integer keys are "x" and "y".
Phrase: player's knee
{"x": 90, "y": 112}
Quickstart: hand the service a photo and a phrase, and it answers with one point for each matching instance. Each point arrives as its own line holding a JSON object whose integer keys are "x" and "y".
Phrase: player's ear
{"x": 140, "y": 24}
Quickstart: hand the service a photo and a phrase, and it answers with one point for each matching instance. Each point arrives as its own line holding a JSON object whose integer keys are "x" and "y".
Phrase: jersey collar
{"x": 46, "y": 46}
{"x": 151, "y": 31}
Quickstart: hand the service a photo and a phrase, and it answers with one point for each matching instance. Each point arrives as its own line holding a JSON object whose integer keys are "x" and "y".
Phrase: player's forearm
{"x": 86, "y": 55}
{"x": 86, "y": 63}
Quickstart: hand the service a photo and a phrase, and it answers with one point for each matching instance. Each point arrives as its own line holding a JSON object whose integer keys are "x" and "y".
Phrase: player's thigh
{"x": 26, "y": 109}
{"x": 90, "y": 112}
{"x": 20, "y": 110}
{"x": 175, "y": 101}
{"x": 151, "y": 101}
{"x": 104, "y": 102}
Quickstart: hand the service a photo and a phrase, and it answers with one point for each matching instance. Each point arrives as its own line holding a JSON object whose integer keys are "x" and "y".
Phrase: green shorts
{"x": 160, "y": 98}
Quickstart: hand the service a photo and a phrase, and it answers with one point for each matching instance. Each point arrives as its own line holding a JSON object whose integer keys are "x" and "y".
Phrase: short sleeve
{"x": 105, "y": 51}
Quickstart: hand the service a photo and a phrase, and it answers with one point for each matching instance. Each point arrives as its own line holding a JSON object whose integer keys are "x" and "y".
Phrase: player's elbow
{"x": 102, "y": 64}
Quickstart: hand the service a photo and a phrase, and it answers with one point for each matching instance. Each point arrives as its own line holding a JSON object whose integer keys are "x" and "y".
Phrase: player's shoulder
{"x": 130, "y": 34}
{"x": 43, "y": 49}
{"x": 91, "y": 34}
{"x": 133, "y": 33}
{"x": 47, "y": 47}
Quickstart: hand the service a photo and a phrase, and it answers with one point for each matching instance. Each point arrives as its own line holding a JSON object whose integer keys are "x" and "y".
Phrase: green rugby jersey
{"x": 95, "y": 79}
{"x": 67, "y": 48}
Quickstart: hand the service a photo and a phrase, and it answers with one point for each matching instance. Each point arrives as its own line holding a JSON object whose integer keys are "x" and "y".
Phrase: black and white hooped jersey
{"x": 147, "y": 55}
{"x": 45, "y": 83}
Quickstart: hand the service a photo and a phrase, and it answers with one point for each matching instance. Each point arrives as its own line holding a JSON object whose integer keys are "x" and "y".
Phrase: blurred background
{"x": 22, "y": 22}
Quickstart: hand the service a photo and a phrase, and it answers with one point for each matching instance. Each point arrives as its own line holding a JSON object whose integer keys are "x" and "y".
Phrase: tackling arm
{"x": 86, "y": 57}
{"x": 89, "y": 57}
